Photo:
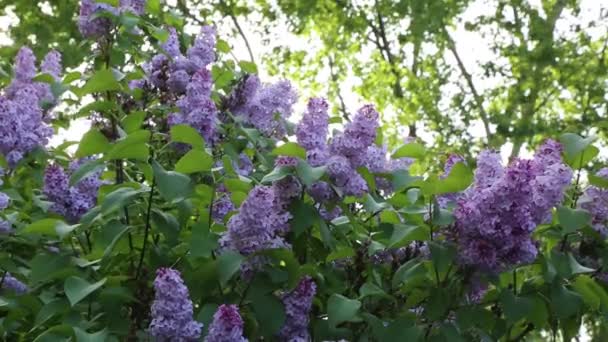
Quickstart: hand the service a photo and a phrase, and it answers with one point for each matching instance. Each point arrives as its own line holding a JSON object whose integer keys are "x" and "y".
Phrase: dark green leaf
{"x": 228, "y": 263}
{"x": 173, "y": 186}
{"x": 76, "y": 289}
{"x": 341, "y": 309}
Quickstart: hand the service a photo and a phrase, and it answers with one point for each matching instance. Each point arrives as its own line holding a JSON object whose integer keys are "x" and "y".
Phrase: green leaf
{"x": 341, "y": 309}
{"x": 403, "y": 234}
{"x": 134, "y": 146}
{"x": 411, "y": 150}
{"x": 248, "y": 67}
{"x": 269, "y": 313}
{"x": 578, "y": 151}
{"x": 592, "y": 293}
{"x": 119, "y": 198}
{"x": 194, "y": 161}
{"x": 371, "y": 290}
{"x": 203, "y": 242}
{"x": 83, "y": 336}
{"x": 284, "y": 261}
{"x": 61, "y": 332}
{"x": 515, "y": 308}
{"x": 572, "y": 220}
{"x": 277, "y": 173}
{"x": 93, "y": 142}
{"x": 459, "y": 179}
{"x": 290, "y": 149}
{"x": 442, "y": 256}
{"x": 98, "y": 107}
{"x": 566, "y": 265}
{"x": 188, "y": 135}
{"x": 598, "y": 181}
{"x": 228, "y": 263}
{"x": 50, "y": 226}
{"x": 133, "y": 121}
{"x": 77, "y": 289}
{"x": 308, "y": 174}
{"x": 89, "y": 168}
{"x": 173, "y": 186}
{"x": 103, "y": 80}
{"x": 411, "y": 271}
{"x": 564, "y": 302}
{"x": 304, "y": 216}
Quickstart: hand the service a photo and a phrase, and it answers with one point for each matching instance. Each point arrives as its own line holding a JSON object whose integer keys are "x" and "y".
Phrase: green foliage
{"x": 386, "y": 266}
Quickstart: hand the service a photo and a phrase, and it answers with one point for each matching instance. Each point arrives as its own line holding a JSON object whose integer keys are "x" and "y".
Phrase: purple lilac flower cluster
{"x": 172, "y": 309}
{"x": 595, "y": 201}
{"x": 72, "y": 202}
{"x": 187, "y": 77}
{"x": 14, "y": 285}
{"x": 93, "y": 25}
{"x": 348, "y": 150}
{"x": 227, "y": 325}
{"x": 22, "y": 126}
{"x": 298, "y": 303}
{"x": 495, "y": 218}
{"x": 264, "y": 106}
{"x": 173, "y": 71}
{"x": 259, "y": 225}
{"x": 197, "y": 109}
{"x": 5, "y": 226}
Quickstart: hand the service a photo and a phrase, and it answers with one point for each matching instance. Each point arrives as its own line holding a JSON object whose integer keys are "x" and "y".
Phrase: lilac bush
{"x": 246, "y": 225}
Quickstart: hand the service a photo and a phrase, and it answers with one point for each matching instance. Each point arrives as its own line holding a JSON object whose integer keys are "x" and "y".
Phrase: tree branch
{"x": 230, "y": 13}
{"x": 469, "y": 78}
{"x": 334, "y": 78}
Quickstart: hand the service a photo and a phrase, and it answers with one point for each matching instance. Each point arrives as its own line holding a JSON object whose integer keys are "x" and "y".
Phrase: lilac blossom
{"x": 358, "y": 134}
{"x": 197, "y": 109}
{"x": 5, "y": 227}
{"x": 227, "y": 325}
{"x": 72, "y": 202}
{"x": 172, "y": 309}
{"x": 298, "y": 303}
{"x": 264, "y": 106}
{"x": 137, "y": 7}
{"x": 312, "y": 130}
{"x": 14, "y": 285}
{"x": 91, "y": 26}
{"x": 595, "y": 201}
{"x": 495, "y": 218}
{"x": 259, "y": 225}
{"x": 22, "y": 127}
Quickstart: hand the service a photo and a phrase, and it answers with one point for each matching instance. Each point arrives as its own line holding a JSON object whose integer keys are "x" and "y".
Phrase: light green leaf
{"x": 290, "y": 149}
{"x": 459, "y": 179}
{"x": 93, "y": 142}
{"x": 411, "y": 150}
{"x": 403, "y": 234}
{"x": 134, "y": 146}
{"x": 578, "y": 151}
{"x": 277, "y": 173}
{"x": 133, "y": 121}
{"x": 188, "y": 135}
{"x": 102, "y": 80}
{"x": 194, "y": 161}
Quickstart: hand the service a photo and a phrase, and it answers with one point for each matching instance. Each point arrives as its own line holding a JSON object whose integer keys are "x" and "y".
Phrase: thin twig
{"x": 147, "y": 229}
